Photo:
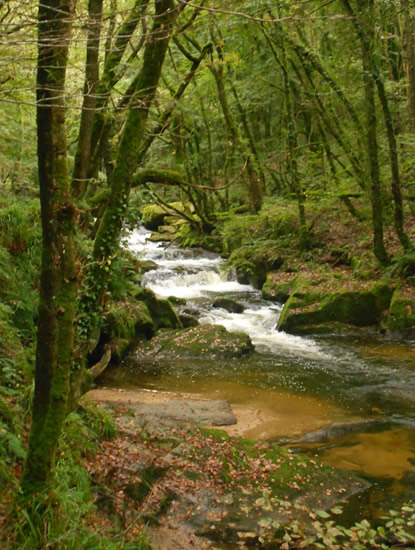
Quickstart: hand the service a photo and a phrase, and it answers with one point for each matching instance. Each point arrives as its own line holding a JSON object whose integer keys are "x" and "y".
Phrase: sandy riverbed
{"x": 249, "y": 421}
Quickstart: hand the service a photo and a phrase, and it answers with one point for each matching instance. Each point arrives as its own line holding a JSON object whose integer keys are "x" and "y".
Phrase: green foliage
{"x": 403, "y": 265}
{"x": 124, "y": 269}
{"x": 12, "y": 450}
{"x": 19, "y": 260}
{"x": 64, "y": 512}
{"x": 259, "y": 243}
{"x": 19, "y": 224}
{"x": 396, "y": 529}
{"x": 13, "y": 356}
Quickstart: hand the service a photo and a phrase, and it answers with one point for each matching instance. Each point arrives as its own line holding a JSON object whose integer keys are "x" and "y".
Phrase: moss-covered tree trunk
{"x": 58, "y": 281}
{"x": 83, "y": 151}
{"x": 373, "y": 158}
{"x": 366, "y": 35}
{"x": 108, "y": 235}
{"x": 408, "y": 50}
{"x": 109, "y": 78}
{"x": 371, "y": 135}
{"x": 255, "y": 187}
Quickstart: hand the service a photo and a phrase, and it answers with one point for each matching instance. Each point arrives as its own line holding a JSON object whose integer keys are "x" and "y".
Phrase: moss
{"x": 177, "y": 301}
{"x": 217, "y": 435}
{"x": 161, "y": 310}
{"x": 401, "y": 315}
{"x": 258, "y": 481}
{"x": 124, "y": 324}
{"x": 204, "y": 340}
{"x": 153, "y": 215}
{"x": 277, "y": 288}
{"x": 308, "y": 308}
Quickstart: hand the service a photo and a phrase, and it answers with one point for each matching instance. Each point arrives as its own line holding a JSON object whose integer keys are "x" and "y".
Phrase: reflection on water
{"x": 387, "y": 454}
{"x": 388, "y": 351}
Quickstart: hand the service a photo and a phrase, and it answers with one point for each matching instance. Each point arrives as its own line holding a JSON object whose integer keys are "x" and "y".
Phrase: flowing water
{"x": 295, "y": 384}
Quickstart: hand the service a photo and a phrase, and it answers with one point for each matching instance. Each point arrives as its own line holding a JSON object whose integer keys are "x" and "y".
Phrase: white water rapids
{"x": 198, "y": 277}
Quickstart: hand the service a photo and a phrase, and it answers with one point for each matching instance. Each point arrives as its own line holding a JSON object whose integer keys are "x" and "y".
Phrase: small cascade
{"x": 198, "y": 276}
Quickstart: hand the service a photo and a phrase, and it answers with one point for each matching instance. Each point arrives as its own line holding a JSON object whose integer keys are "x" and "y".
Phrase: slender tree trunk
{"x": 58, "y": 283}
{"x": 83, "y": 150}
{"x": 110, "y": 78}
{"x": 255, "y": 158}
{"x": 409, "y": 56}
{"x": 255, "y": 187}
{"x": 166, "y": 115}
{"x": 373, "y": 158}
{"x": 373, "y": 72}
{"x": 329, "y": 121}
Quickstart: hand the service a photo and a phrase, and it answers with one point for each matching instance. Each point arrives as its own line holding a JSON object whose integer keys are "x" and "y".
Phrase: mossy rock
{"x": 167, "y": 229}
{"x": 229, "y": 305}
{"x": 307, "y": 310}
{"x": 177, "y": 301}
{"x": 161, "y": 310}
{"x": 153, "y": 216}
{"x": 174, "y": 220}
{"x": 278, "y": 286}
{"x": 157, "y": 237}
{"x": 401, "y": 315}
{"x": 204, "y": 340}
{"x": 124, "y": 324}
{"x": 242, "y": 486}
{"x": 147, "y": 265}
{"x": 188, "y": 321}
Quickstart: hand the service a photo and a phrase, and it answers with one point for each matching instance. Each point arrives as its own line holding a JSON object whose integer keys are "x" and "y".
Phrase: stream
{"x": 299, "y": 384}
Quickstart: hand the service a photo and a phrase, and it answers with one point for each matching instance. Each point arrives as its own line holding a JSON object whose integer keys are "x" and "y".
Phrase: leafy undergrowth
{"x": 67, "y": 518}
{"x": 336, "y": 239}
{"x": 242, "y": 492}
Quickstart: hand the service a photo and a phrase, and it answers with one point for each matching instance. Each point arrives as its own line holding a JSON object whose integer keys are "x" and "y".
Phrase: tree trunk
{"x": 409, "y": 56}
{"x": 373, "y": 156}
{"x": 108, "y": 235}
{"x": 58, "y": 280}
{"x": 372, "y": 71}
{"x": 110, "y": 78}
{"x": 83, "y": 150}
{"x": 255, "y": 187}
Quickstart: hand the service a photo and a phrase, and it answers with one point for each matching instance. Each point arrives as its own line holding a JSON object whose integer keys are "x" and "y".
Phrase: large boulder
{"x": 134, "y": 319}
{"x": 204, "y": 340}
{"x": 161, "y": 310}
{"x": 124, "y": 324}
{"x": 312, "y": 309}
{"x": 401, "y": 315}
{"x": 229, "y": 305}
{"x": 153, "y": 215}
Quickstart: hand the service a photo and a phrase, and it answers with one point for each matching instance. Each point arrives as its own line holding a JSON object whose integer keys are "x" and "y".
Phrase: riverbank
{"x": 285, "y": 416}
{"x": 200, "y": 488}
{"x": 194, "y": 484}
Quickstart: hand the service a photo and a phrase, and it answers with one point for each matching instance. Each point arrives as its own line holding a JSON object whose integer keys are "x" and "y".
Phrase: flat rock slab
{"x": 198, "y": 411}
